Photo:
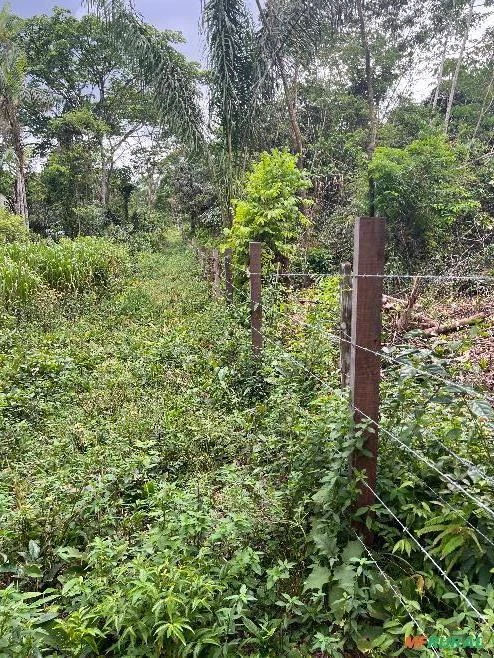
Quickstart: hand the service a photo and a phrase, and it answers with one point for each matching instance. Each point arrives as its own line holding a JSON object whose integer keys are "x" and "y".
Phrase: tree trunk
{"x": 459, "y": 62}
{"x": 440, "y": 72}
{"x": 227, "y": 213}
{"x": 104, "y": 177}
{"x": 20, "y": 196}
{"x": 296, "y": 133}
{"x": 20, "y": 203}
{"x": 371, "y": 144}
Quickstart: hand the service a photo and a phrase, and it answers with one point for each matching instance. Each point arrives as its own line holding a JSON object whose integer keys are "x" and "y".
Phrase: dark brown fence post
{"x": 345, "y": 323}
{"x": 365, "y": 367}
{"x": 255, "y": 296}
{"x": 216, "y": 273}
{"x": 228, "y": 276}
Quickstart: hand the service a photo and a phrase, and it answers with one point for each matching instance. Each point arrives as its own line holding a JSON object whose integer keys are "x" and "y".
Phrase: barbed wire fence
{"x": 361, "y": 358}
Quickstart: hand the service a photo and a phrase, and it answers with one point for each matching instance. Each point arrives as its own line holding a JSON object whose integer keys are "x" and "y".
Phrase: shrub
{"x": 12, "y": 227}
{"x": 270, "y": 210}
{"x": 421, "y": 190}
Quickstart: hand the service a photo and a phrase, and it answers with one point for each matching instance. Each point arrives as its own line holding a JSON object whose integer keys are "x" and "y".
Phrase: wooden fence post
{"x": 345, "y": 323}
{"x": 365, "y": 366}
{"x": 255, "y": 296}
{"x": 228, "y": 276}
{"x": 216, "y": 273}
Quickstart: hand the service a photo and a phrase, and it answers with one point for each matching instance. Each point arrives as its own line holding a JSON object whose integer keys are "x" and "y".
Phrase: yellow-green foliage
{"x": 19, "y": 285}
{"x": 270, "y": 209}
{"x": 68, "y": 266}
{"x": 72, "y": 265}
{"x": 12, "y": 227}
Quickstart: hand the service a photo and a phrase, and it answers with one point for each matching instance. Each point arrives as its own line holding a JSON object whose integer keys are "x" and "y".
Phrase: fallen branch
{"x": 393, "y": 302}
{"x": 455, "y": 325}
{"x": 402, "y": 305}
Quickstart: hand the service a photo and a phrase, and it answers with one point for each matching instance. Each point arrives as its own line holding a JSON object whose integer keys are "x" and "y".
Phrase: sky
{"x": 181, "y": 15}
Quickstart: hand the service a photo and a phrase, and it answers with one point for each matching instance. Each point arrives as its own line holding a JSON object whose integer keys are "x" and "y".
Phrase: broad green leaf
{"x": 353, "y": 549}
{"x": 482, "y": 409}
{"x": 319, "y": 577}
{"x": 452, "y": 544}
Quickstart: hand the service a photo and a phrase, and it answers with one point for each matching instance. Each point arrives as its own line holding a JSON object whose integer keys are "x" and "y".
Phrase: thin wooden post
{"x": 255, "y": 296}
{"x": 365, "y": 365}
{"x": 345, "y": 323}
{"x": 228, "y": 276}
{"x": 215, "y": 262}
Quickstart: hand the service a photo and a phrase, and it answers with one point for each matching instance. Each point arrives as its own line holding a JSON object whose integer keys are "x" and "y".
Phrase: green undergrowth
{"x": 164, "y": 494}
{"x": 34, "y": 275}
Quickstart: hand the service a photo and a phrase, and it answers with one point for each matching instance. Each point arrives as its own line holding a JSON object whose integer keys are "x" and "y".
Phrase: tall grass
{"x": 71, "y": 265}
{"x": 19, "y": 285}
{"x": 67, "y": 266}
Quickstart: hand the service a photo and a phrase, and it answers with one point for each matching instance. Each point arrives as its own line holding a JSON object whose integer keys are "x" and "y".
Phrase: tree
{"x": 459, "y": 61}
{"x": 77, "y": 66}
{"x": 158, "y": 66}
{"x": 98, "y": 109}
{"x": 231, "y": 54}
{"x": 421, "y": 190}
{"x": 12, "y": 80}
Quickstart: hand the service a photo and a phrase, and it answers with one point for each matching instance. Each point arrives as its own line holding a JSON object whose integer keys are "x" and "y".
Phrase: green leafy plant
{"x": 270, "y": 210}
{"x": 421, "y": 189}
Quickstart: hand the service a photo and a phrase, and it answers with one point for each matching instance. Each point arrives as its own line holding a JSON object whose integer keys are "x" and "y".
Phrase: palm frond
{"x": 297, "y": 26}
{"x": 231, "y": 53}
{"x": 158, "y": 66}
{"x": 13, "y": 61}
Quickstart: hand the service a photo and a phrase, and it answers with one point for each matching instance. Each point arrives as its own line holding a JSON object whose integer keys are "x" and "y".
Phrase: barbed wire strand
{"x": 395, "y": 591}
{"x": 426, "y": 553}
{"x": 417, "y": 454}
{"x": 388, "y": 357}
{"x": 432, "y": 277}
{"x": 453, "y": 509}
{"x": 468, "y": 464}
{"x": 421, "y": 457}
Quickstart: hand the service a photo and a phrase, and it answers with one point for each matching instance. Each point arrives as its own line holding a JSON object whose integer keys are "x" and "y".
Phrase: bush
{"x": 421, "y": 190}
{"x": 270, "y": 210}
{"x": 12, "y": 227}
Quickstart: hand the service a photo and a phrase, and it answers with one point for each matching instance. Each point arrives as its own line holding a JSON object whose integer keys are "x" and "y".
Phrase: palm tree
{"x": 12, "y": 78}
{"x": 233, "y": 70}
{"x": 159, "y": 66}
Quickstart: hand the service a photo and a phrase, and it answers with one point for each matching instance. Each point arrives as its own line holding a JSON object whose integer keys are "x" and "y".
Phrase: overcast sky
{"x": 181, "y": 15}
